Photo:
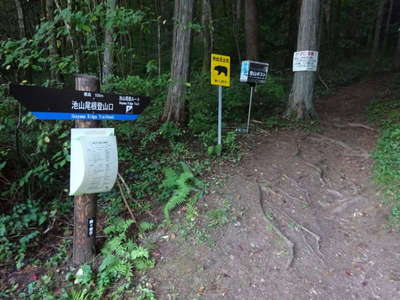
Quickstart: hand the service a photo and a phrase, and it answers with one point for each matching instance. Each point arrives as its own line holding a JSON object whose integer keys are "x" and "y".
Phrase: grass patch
{"x": 385, "y": 112}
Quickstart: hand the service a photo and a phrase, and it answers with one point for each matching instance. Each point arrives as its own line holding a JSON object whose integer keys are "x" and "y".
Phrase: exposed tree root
{"x": 282, "y": 194}
{"x": 295, "y": 183}
{"x": 356, "y": 125}
{"x": 322, "y": 138}
{"x": 345, "y": 203}
{"x": 305, "y": 229}
{"x": 319, "y": 170}
{"x": 269, "y": 220}
{"x": 315, "y": 167}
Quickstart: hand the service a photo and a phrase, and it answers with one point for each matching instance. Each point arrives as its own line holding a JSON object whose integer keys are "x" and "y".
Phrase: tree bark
{"x": 85, "y": 205}
{"x": 387, "y": 26}
{"x": 377, "y": 34}
{"x": 21, "y": 20}
{"x": 206, "y": 24}
{"x": 236, "y": 16}
{"x": 174, "y": 109}
{"x": 397, "y": 54}
{"x": 300, "y": 104}
{"x": 251, "y": 30}
{"x": 108, "y": 58}
{"x": 292, "y": 30}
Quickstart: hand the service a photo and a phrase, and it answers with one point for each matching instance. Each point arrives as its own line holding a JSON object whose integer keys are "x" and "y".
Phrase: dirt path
{"x": 312, "y": 185}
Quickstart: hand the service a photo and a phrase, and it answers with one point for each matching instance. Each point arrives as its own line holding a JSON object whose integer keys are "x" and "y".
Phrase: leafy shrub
{"x": 21, "y": 230}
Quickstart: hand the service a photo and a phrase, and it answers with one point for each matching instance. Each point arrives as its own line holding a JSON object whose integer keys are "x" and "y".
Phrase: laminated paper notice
{"x": 94, "y": 160}
{"x": 305, "y": 61}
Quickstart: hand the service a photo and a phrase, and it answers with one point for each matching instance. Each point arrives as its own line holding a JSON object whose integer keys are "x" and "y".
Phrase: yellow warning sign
{"x": 220, "y": 70}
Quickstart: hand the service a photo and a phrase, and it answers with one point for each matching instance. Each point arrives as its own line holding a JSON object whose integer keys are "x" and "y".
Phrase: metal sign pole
{"x": 249, "y": 114}
{"x": 219, "y": 115}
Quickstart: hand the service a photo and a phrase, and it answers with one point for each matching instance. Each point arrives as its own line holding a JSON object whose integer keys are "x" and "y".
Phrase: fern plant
{"x": 182, "y": 185}
{"x": 121, "y": 256}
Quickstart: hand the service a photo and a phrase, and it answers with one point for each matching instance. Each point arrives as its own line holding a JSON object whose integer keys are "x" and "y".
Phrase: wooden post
{"x": 85, "y": 205}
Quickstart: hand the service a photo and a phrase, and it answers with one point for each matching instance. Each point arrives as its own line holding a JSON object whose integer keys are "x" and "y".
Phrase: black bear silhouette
{"x": 221, "y": 69}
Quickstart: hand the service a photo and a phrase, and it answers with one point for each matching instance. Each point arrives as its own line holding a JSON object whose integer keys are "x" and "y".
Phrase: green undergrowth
{"x": 161, "y": 166}
{"x": 385, "y": 112}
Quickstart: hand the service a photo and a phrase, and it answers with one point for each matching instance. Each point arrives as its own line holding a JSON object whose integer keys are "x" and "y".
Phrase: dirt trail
{"x": 312, "y": 185}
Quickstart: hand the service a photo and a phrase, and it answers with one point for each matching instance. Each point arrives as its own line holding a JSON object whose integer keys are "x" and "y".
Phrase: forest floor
{"x": 298, "y": 218}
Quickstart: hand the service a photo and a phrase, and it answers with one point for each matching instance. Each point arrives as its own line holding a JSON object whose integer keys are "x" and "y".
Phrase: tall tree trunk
{"x": 206, "y": 23}
{"x": 251, "y": 29}
{"x": 174, "y": 109}
{"x": 387, "y": 26}
{"x": 336, "y": 15}
{"x": 377, "y": 34}
{"x": 108, "y": 58}
{"x": 54, "y": 75}
{"x": 397, "y": 54}
{"x": 236, "y": 16}
{"x": 300, "y": 103}
{"x": 21, "y": 20}
{"x": 292, "y": 30}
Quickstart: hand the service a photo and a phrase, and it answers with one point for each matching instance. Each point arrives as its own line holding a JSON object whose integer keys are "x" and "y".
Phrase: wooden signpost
{"x": 87, "y": 106}
{"x": 85, "y": 206}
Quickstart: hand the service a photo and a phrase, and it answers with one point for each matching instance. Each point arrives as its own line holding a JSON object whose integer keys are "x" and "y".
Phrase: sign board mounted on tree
{"x": 253, "y": 72}
{"x": 60, "y": 104}
{"x": 305, "y": 61}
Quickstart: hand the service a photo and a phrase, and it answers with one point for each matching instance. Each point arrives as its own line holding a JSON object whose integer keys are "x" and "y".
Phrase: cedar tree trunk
{"x": 174, "y": 109}
{"x": 251, "y": 29}
{"x": 300, "y": 104}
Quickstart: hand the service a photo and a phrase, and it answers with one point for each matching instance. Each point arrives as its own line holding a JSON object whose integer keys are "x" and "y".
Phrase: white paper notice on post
{"x": 94, "y": 160}
{"x": 305, "y": 61}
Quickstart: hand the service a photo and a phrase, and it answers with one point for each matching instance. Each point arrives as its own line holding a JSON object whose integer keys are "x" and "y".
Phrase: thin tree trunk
{"x": 251, "y": 28}
{"x": 54, "y": 75}
{"x": 236, "y": 16}
{"x": 21, "y": 20}
{"x": 301, "y": 96}
{"x": 377, "y": 34}
{"x": 206, "y": 22}
{"x": 397, "y": 55}
{"x": 108, "y": 58}
{"x": 174, "y": 109}
{"x": 387, "y": 26}
{"x": 71, "y": 36}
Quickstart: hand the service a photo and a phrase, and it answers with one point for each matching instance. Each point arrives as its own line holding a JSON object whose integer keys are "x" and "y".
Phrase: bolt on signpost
{"x": 220, "y": 76}
{"x": 253, "y": 72}
{"x": 94, "y": 156}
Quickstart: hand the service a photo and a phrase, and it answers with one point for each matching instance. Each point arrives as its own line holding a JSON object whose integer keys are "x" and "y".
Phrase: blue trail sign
{"x": 60, "y": 104}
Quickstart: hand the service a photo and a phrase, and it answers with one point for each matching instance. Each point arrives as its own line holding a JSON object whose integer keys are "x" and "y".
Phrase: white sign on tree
{"x": 305, "y": 61}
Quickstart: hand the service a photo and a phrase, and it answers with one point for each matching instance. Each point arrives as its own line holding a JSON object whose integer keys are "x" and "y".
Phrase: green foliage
{"x": 385, "y": 113}
{"x": 21, "y": 229}
{"x": 181, "y": 183}
{"x": 120, "y": 257}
